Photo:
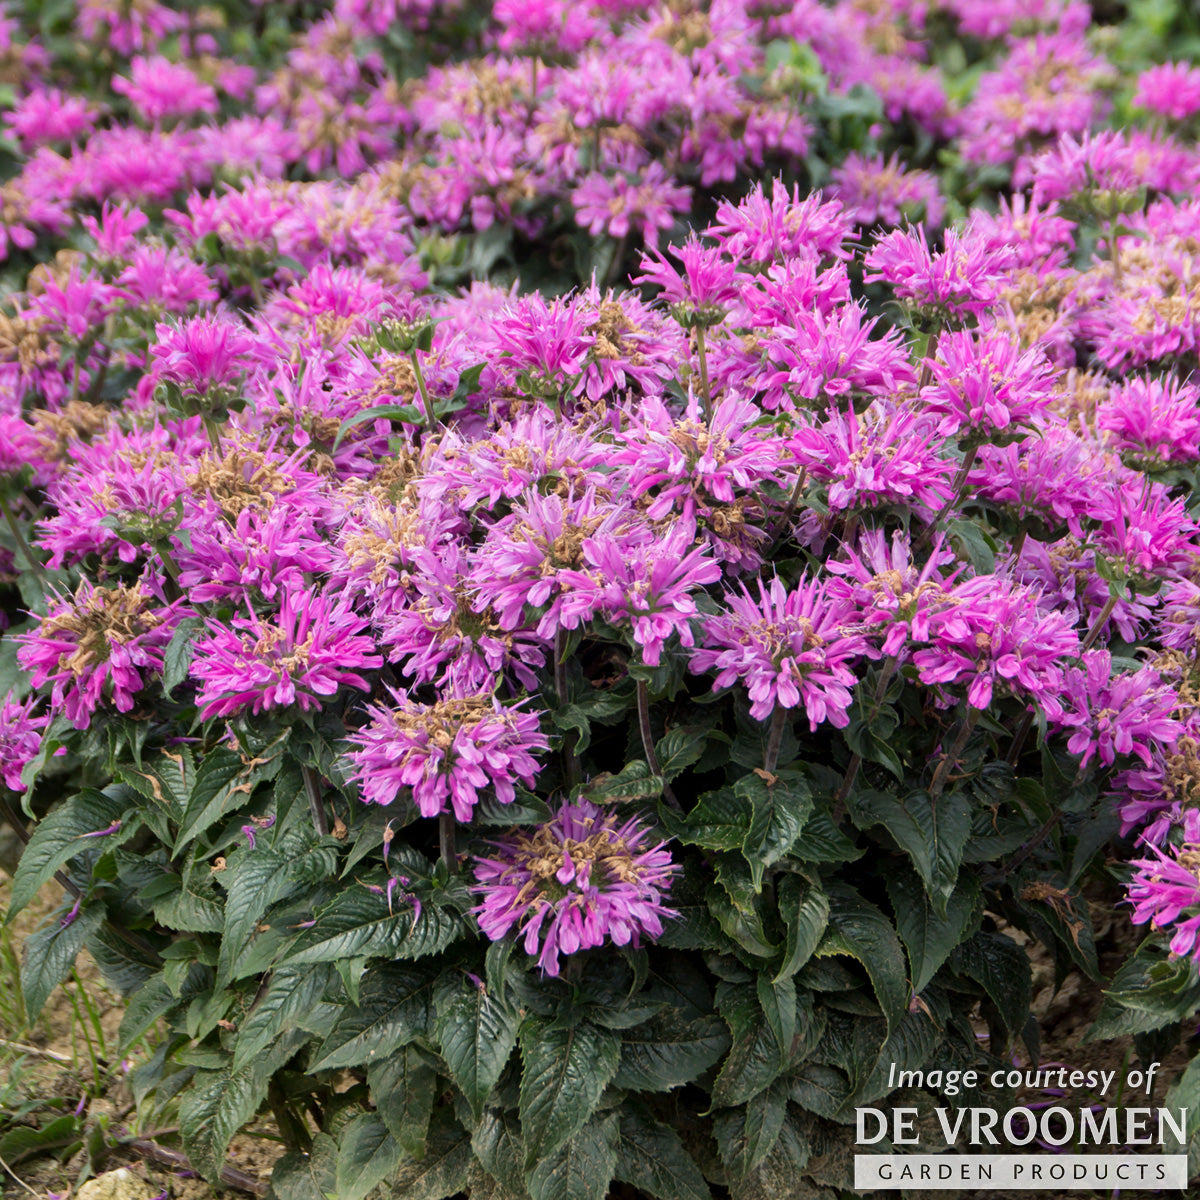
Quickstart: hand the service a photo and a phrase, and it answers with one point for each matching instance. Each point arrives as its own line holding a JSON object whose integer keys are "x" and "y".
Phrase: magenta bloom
{"x": 583, "y": 879}
{"x": 1127, "y": 713}
{"x": 619, "y": 204}
{"x": 964, "y": 279}
{"x": 102, "y": 644}
{"x": 160, "y": 88}
{"x": 203, "y": 353}
{"x": 788, "y": 648}
{"x": 447, "y": 752}
{"x": 1166, "y": 887}
{"x": 708, "y": 280}
{"x": 1170, "y": 89}
{"x": 20, "y": 737}
{"x": 1153, "y": 422}
{"x": 313, "y": 646}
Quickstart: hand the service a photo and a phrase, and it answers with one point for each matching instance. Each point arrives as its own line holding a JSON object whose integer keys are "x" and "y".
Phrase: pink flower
{"x": 646, "y": 203}
{"x": 788, "y": 648}
{"x": 160, "y": 88}
{"x": 447, "y": 752}
{"x": 301, "y": 655}
{"x": 585, "y": 878}
{"x": 1170, "y": 89}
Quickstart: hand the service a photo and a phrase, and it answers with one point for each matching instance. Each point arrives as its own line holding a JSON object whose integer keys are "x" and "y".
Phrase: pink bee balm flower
{"x": 583, "y": 879}
{"x": 300, "y": 656}
{"x": 788, "y": 648}
{"x": 101, "y": 644}
{"x": 20, "y": 737}
{"x": 619, "y": 205}
{"x": 447, "y": 752}
{"x": 160, "y": 88}
{"x": 1166, "y": 887}
{"x": 1169, "y": 89}
{"x": 1126, "y": 713}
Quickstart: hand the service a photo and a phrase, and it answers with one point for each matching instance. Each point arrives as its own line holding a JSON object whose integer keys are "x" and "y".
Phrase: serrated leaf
{"x": 177, "y": 657}
{"x": 635, "y": 781}
{"x": 745, "y": 1135}
{"x": 402, "y": 1089}
{"x": 719, "y": 821}
{"x": 780, "y": 810}
{"x": 219, "y": 1103}
{"x": 651, "y": 1157}
{"x": 24, "y": 1141}
{"x": 804, "y": 908}
{"x": 395, "y": 1009}
{"x": 212, "y": 794}
{"x": 564, "y": 1072}
{"x": 289, "y": 993}
{"x": 1002, "y": 969}
{"x": 667, "y": 1052}
{"x": 359, "y": 924}
{"x": 581, "y": 1168}
{"x": 367, "y": 1155}
{"x": 680, "y": 749}
{"x": 929, "y": 939}
{"x": 443, "y": 1170}
{"x": 931, "y": 832}
{"x": 476, "y": 1033}
{"x": 756, "y": 1056}
{"x": 307, "y": 1176}
{"x": 860, "y": 930}
{"x": 498, "y": 1145}
{"x": 62, "y": 835}
{"x": 49, "y": 954}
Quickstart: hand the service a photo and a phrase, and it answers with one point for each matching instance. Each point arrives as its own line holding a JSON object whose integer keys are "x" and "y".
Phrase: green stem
{"x": 213, "y": 430}
{"x": 944, "y": 768}
{"x": 885, "y": 677}
{"x": 426, "y": 402}
{"x": 316, "y": 807}
{"x": 958, "y": 490}
{"x": 1114, "y": 252}
{"x": 774, "y": 739}
{"x": 1098, "y": 624}
{"x": 35, "y": 564}
{"x": 570, "y": 758}
{"x": 702, "y": 360}
{"x": 647, "y": 734}
{"x": 447, "y": 840}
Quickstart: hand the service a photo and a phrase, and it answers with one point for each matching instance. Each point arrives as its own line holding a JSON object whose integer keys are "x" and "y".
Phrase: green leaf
{"x": 62, "y": 835}
{"x": 1002, "y": 969}
{"x": 219, "y": 1103}
{"x": 745, "y": 1135}
{"x": 395, "y": 1009}
{"x": 476, "y": 1032}
{"x": 62, "y": 1134}
{"x": 756, "y": 1056}
{"x": 307, "y": 1176}
{"x": 651, "y": 1157}
{"x": 979, "y": 548}
{"x": 860, "y": 930}
{"x": 928, "y": 938}
{"x": 582, "y": 1167}
{"x": 359, "y": 924}
{"x": 49, "y": 954}
{"x": 367, "y": 1155}
{"x": 500, "y": 1149}
{"x": 634, "y": 782}
{"x": 410, "y": 414}
{"x": 565, "y": 1071}
{"x": 288, "y": 994}
{"x": 177, "y": 658}
{"x": 932, "y": 833}
{"x": 166, "y": 780}
{"x": 804, "y": 908}
{"x": 443, "y": 1170}
{"x": 212, "y": 794}
{"x": 403, "y": 1088}
{"x": 780, "y": 810}
{"x": 680, "y": 749}
{"x": 667, "y": 1052}
{"x": 719, "y": 821}
{"x": 189, "y": 903}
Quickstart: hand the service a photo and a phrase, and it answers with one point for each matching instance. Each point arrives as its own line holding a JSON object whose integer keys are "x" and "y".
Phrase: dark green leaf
{"x": 634, "y": 782}
{"x": 667, "y": 1052}
{"x": 780, "y": 810}
{"x": 65, "y": 833}
{"x": 1002, "y": 969}
{"x": 860, "y": 930}
{"x": 928, "y": 938}
{"x": 476, "y": 1032}
{"x": 745, "y": 1135}
{"x": 719, "y": 821}
{"x": 213, "y": 794}
{"x": 177, "y": 658}
{"x": 403, "y": 1090}
{"x": 367, "y": 1155}
{"x": 289, "y": 993}
{"x": 932, "y": 833}
{"x": 804, "y": 908}
{"x": 756, "y": 1056}
{"x": 307, "y": 1176}
{"x": 651, "y": 1157}
{"x": 499, "y": 1147}
{"x": 444, "y": 1168}
{"x": 395, "y": 1009}
{"x": 582, "y": 1167}
{"x": 564, "y": 1073}
{"x": 49, "y": 954}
